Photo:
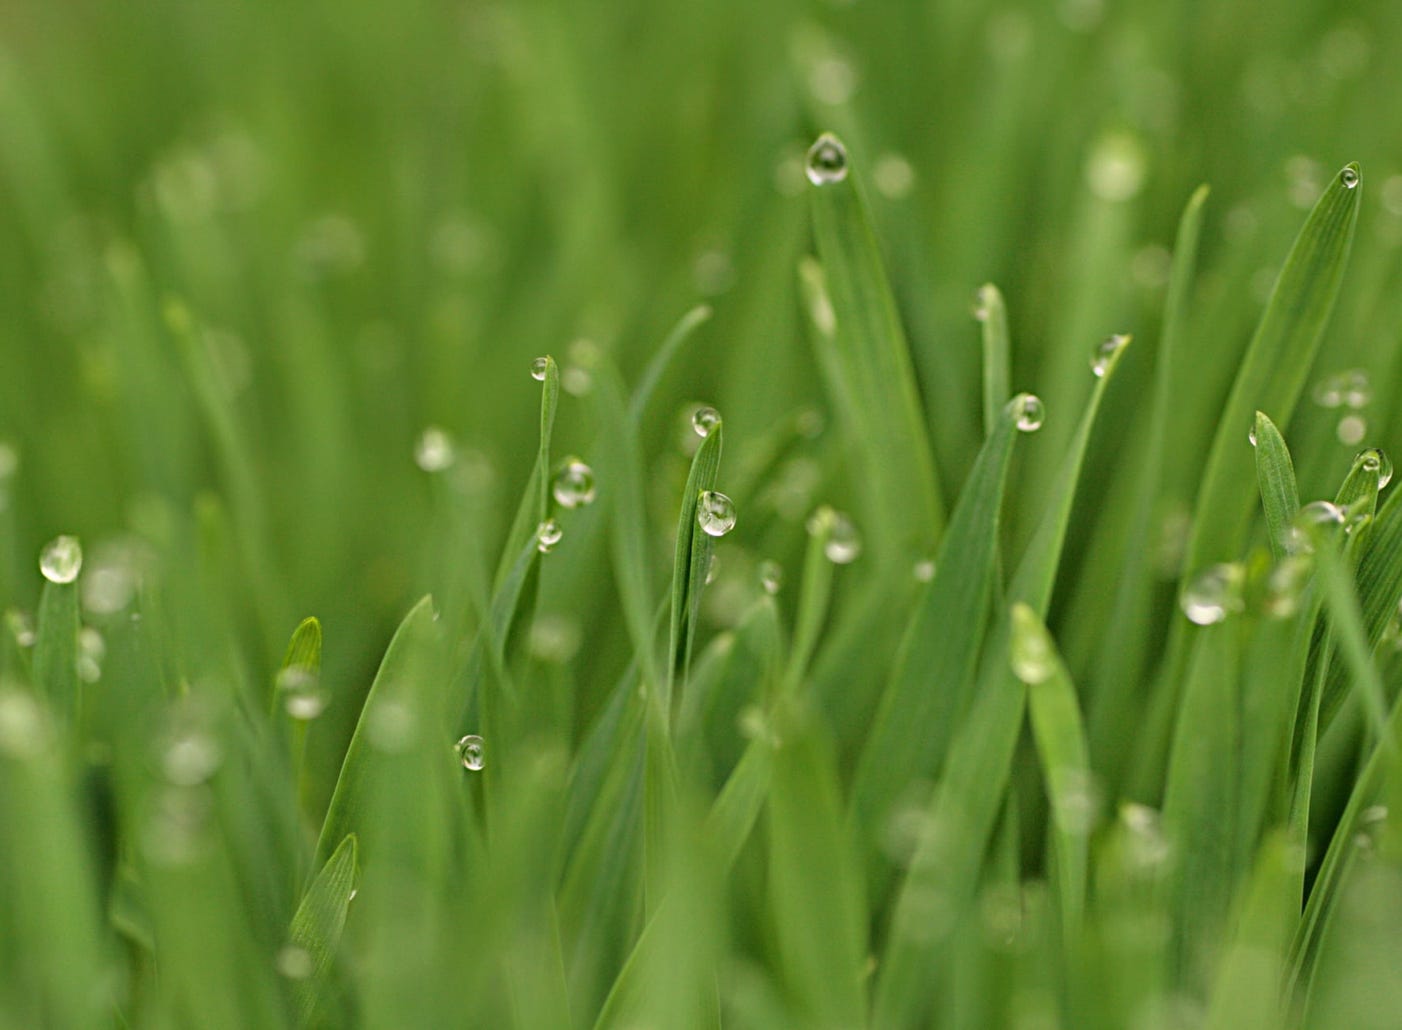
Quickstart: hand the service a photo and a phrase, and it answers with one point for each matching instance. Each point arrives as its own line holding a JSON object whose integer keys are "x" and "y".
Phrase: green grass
{"x": 1095, "y": 722}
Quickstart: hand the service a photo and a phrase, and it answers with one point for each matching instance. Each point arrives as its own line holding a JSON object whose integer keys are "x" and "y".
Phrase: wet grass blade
{"x": 317, "y": 925}
{"x": 693, "y": 559}
{"x": 992, "y": 314}
{"x": 874, "y": 373}
{"x": 1275, "y": 476}
{"x": 535, "y": 501}
{"x": 56, "y": 649}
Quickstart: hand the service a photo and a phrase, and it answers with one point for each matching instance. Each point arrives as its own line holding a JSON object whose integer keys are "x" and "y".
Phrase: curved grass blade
{"x": 965, "y": 806}
{"x": 872, "y": 374}
{"x": 929, "y": 687}
{"x": 993, "y": 316}
{"x": 1275, "y": 367}
{"x": 535, "y": 502}
{"x": 662, "y": 360}
{"x": 56, "y": 649}
{"x": 693, "y": 559}
{"x": 1060, "y": 734}
{"x": 317, "y": 925}
{"x": 1275, "y": 476}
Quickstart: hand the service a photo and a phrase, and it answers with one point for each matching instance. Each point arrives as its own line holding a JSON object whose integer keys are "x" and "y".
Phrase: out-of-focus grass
{"x": 272, "y": 278}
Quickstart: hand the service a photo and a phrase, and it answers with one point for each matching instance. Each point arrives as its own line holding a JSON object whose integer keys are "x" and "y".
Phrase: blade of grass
{"x": 1275, "y": 476}
{"x": 318, "y": 922}
{"x": 992, "y": 314}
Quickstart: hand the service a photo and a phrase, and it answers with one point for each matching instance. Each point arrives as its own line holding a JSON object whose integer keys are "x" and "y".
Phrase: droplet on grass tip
{"x": 844, "y": 543}
{"x": 1349, "y": 176}
{"x": 827, "y": 161}
{"x": 1030, "y": 649}
{"x": 469, "y": 750}
{"x": 300, "y": 691}
{"x": 1105, "y": 351}
{"x": 704, "y": 419}
{"x": 1029, "y": 411}
{"x": 62, "y": 559}
{"x": 573, "y": 485}
{"x": 433, "y": 451}
{"x": 538, "y": 367}
{"x": 547, "y": 535}
{"x": 985, "y": 297}
{"x": 1214, "y": 594}
{"x": 1251, "y": 433}
{"x": 771, "y": 577}
{"x": 715, "y": 513}
{"x": 1375, "y": 460}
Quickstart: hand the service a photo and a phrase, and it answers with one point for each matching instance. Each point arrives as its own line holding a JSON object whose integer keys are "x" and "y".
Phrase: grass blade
{"x": 1275, "y": 475}
{"x": 317, "y": 925}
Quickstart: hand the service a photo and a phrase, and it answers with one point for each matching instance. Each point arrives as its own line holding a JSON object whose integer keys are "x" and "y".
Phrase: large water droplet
{"x": 1105, "y": 351}
{"x": 1375, "y": 460}
{"x": 301, "y": 692}
{"x": 704, "y": 419}
{"x": 715, "y": 513}
{"x": 573, "y": 485}
{"x": 1349, "y": 176}
{"x": 62, "y": 559}
{"x": 1029, "y": 411}
{"x": 539, "y": 367}
{"x": 771, "y": 577}
{"x": 547, "y": 535}
{"x": 469, "y": 750}
{"x": 433, "y": 451}
{"x": 1214, "y": 594}
{"x": 844, "y": 543}
{"x": 827, "y": 161}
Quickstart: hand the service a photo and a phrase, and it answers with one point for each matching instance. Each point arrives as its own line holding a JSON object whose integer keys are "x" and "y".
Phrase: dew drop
{"x": 190, "y": 757}
{"x": 1356, "y": 390}
{"x": 1329, "y": 391}
{"x": 62, "y": 559}
{"x": 1375, "y": 460}
{"x": 469, "y": 750}
{"x": 1251, "y": 433}
{"x": 844, "y": 544}
{"x": 1351, "y": 430}
{"x": 300, "y": 691}
{"x": 924, "y": 570}
{"x": 92, "y": 649}
{"x": 1029, "y": 411}
{"x": 1105, "y": 351}
{"x": 1030, "y": 649}
{"x": 827, "y": 161}
{"x": 20, "y": 625}
{"x": 1285, "y": 586}
{"x": 1349, "y": 176}
{"x": 771, "y": 577}
{"x": 547, "y": 535}
{"x": 985, "y": 299}
{"x": 1314, "y": 514}
{"x": 1076, "y": 802}
{"x": 573, "y": 485}
{"x": 538, "y": 368}
{"x": 704, "y": 419}
{"x": 295, "y": 962}
{"x": 712, "y": 567}
{"x": 1214, "y": 594}
{"x": 715, "y": 513}
{"x": 433, "y": 451}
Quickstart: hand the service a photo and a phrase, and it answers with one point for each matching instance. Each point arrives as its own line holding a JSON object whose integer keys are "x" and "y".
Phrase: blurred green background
{"x": 362, "y": 219}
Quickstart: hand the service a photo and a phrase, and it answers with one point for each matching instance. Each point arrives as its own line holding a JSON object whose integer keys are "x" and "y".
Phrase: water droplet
{"x": 62, "y": 559}
{"x": 24, "y": 728}
{"x": 712, "y": 567}
{"x": 113, "y": 576}
{"x": 985, "y": 298}
{"x": 92, "y": 649}
{"x": 827, "y": 161}
{"x": 704, "y": 419}
{"x": 295, "y": 962}
{"x": 1351, "y": 430}
{"x": 393, "y": 726}
{"x": 1147, "y": 847}
{"x": 771, "y": 577}
{"x": 844, "y": 544}
{"x": 1349, "y": 176}
{"x": 301, "y": 692}
{"x": 1105, "y": 352}
{"x": 1029, "y": 411}
{"x": 924, "y": 570}
{"x": 1373, "y": 814}
{"x": 1375, "y": 460}
{"x": 554, "y": 638}
{"x": 1315, "y": 514}
{"x": 190, "y": 756}
{"x": 547, "y": 535}
{"x": 538, "y": 368}
{"x": 573, "y": 485}
{"x": 1032, "y": 656}
{"x": 1357, "y": 389}
{"x": 1214, "y": 594}
{"x": 433, "y": 451}
{"x": 1285, "y": 586}
{"x": 894, "y": 176}
{"x": 20, "y": 625}
{"x": 1115, "y": 171}
{"x": 1251, "y": 433}
{"x": 470, "y": 752}
{"x": 1076, "y": 801}
{"x": 715, "y": 513}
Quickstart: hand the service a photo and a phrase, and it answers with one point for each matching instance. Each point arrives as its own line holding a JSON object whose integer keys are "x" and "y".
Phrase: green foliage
{"x": 1095, "y": 724}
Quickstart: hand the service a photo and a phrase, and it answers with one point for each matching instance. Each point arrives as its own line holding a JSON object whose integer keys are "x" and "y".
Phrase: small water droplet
{"x": 704, "y": 419}
{"x": 715, "y": 513}
{"x": 1375, "y": 460}
{"x": 985, "y": 298}
{"x": 20, "y": 625}
{"x": 433, "y": 451}
{"x": 92, "y": 649}
{"x": 712, "y": 567}
{"x": 538, "y": 368}
{"x": 771, "y": 577}
{"x": 352, "y": 894}
{"x": 190, "y": 756}
{"x": 554, "y": 637}
{"x": 1147, "y": 848}
{"x": 827, "y": 161}
{"x": 1373, "y": 814}
{"x": 547, "y": 535}
{"x": 1029, "y": 411}
{"x": 1030, "y": 649}
{"x": 894, "y": 176}
{"x": 62, "y": 559}
{"x": 573, "y": 485}
{"x": 1105, "y": 351}
{"x": 1351, "y": 430}
{"x": 1349, "y": 176}
{"x": 1076, "y": 802}
{"x": 469, "y": 750}
{"x": 295, "y": 962}
{"x": 924, "y": 570}
{"x": 844, "y": 543}
{"x": 301, "y": 692}
{"x": 1285, "y": 586}
{"x": 1251, "y": 433}
{"x": 1214, "y": 594}
{"x": 1356, "y": 388}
